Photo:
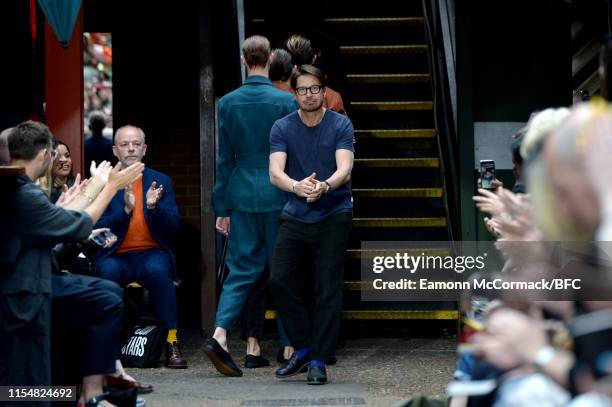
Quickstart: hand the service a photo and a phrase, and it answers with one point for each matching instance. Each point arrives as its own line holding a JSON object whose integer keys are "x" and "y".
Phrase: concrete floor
{"x": 369, "y": 372}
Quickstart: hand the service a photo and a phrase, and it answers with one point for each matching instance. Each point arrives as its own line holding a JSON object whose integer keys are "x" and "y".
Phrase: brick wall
{"x": 178, "y": 155}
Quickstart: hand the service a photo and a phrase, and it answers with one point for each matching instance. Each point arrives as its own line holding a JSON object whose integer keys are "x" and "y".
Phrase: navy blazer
{"x": 163, "y": 221}
{"x": 35, "y": 225}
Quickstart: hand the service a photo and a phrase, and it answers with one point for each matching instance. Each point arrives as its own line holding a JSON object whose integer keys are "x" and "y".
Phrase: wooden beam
{"x": 64, "y": 90}
{"x": 207, "y": 172}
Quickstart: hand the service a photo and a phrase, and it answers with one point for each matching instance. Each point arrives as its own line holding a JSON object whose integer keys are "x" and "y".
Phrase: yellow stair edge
{"x": 395, "y": 133}
{"x": 376, "y": 21}
{"x": 398, "y": 192}
{"x": 388, "y": 78}
{"x": 382, "y": 315}
{"x": 403, "y": 105}
{"x": 427, "y": 162}
{"x": 354, "y": 286}
{"x": 398, "y": 222}
{"x": 369, "y": 253}
{"x": 383, "y": 49}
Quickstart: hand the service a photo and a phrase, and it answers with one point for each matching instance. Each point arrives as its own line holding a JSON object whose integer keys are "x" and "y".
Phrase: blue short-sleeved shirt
{"x": 313, "y": 149}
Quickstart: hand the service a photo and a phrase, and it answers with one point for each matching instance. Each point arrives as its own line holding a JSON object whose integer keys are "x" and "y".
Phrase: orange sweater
{"x": 138, "y": 237}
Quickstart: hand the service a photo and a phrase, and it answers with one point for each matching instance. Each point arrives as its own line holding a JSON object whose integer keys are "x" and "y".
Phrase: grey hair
{"x": 539, "y": 126}
{"x": 127, "y": 126}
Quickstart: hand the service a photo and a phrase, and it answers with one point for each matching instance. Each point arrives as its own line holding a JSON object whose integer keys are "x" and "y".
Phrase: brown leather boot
{"x": 174, "y": 357}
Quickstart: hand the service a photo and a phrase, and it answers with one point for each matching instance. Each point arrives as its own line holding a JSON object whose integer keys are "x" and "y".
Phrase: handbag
{"x": 144, "y": 343}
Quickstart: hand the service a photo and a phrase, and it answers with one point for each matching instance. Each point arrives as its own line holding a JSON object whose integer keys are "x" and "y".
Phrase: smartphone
{"x": 100, "y": 239}
{"x": 487, "y": 173}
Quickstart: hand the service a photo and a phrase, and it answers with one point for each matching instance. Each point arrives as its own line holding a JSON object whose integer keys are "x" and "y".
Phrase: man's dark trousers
{"x": 325, "y": 243}
{"x": 94, "y": 307}
{"x": 149, "y": 268}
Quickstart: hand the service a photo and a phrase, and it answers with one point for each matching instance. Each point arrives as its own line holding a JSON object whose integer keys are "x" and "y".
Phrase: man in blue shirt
{"x": 243, "y": 193}
{"x": 311, "y": 157}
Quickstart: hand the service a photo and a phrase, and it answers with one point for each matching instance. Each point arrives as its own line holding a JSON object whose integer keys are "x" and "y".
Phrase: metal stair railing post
{"x": 444, "y": 104}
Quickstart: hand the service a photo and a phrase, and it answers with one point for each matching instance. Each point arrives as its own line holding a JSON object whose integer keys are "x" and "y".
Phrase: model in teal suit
{"x": 243, "y": 195}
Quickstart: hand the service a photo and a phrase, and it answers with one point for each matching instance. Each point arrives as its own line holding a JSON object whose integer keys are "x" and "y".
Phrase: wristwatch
{"x": 328, "y": 187}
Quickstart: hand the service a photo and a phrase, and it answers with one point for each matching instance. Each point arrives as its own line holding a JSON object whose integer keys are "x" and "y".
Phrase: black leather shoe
{"x": 221, "y": 359}
{"x": 174, "y": 356}
{"x": 253, "y": 362}
{"x": 293, "y": 366}
{"x": 316, "y": 375}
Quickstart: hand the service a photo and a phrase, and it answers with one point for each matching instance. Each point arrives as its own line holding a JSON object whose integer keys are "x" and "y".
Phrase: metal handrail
{"x": 440, "y": 50}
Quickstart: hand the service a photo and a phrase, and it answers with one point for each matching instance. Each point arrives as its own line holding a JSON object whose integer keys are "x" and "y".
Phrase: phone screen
{"x": 100, "y": 239}
{"x": 487, "y": 173}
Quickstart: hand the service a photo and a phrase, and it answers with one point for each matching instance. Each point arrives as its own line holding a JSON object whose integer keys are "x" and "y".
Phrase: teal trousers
{"x": 249, "y": 252}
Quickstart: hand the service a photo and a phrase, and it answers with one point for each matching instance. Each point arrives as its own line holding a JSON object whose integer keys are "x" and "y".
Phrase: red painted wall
{"x": 64, "y": 90}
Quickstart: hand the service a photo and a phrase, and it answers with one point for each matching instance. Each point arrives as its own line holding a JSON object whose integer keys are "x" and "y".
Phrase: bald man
{"x": 144, "y": 217}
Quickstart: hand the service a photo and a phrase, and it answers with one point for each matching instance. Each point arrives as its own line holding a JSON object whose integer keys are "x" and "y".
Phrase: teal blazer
{"x": 245, "y": 117}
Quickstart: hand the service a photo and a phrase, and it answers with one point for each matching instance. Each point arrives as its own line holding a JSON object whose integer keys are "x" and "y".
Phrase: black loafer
{"x": 293, "y": 366}
{"x": 221, "y": 359}
{"x": 316, "y": 375}
{"x": 253, "y": 362}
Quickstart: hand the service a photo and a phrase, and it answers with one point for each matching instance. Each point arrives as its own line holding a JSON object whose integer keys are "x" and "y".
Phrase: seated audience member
{"x": 144, "y": 217}
{"x": 97, "y": 147}
{"x": 95, "y": 293}
{"x": 567, "y": 176}
{"x": 62, "y": 171}
{"x": 26, "y": 283}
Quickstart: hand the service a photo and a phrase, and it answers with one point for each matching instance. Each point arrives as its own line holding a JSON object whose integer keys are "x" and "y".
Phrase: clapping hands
{"x": 69, "y": 194}
{"x": 102, "y": 171}
{"x": 154, "y": 194}
{"x": 310, "y": 188}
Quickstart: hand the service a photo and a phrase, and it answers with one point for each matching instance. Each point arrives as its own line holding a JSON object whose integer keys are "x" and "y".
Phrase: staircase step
{"x": 355, "y": 286}
{"x": 412, "y": 105}
{"x": 383, "y": 49}
{"x": 395, "y": 148}
{"x": 376, "y": 22}
{"x": 391, "y": 119}
{"x": 397, "y": 207}
{"x": 429, "y": 162}
{"x": 388, "y": 78}
{"x": 369, "y": 253}
{"x": 391, "y": 314}
{"x": 397, "y": 192}
{"x": 382, "y": 8}
{"x": 398, "y": 222}
{"x": 396, "y": 133}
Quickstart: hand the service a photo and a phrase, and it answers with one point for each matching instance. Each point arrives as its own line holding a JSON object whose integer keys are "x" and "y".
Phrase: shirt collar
{"x": 253, "y": 79}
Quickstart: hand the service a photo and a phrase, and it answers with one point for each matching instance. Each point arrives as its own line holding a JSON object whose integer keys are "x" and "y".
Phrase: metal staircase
{"x": 397, "y": 187}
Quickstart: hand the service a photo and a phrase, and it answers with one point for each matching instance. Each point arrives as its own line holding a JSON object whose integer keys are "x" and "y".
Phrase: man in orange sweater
{"x": 144, "y": 217}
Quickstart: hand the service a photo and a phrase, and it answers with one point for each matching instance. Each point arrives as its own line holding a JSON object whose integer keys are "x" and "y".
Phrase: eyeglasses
{"x": 314, "y": 89}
